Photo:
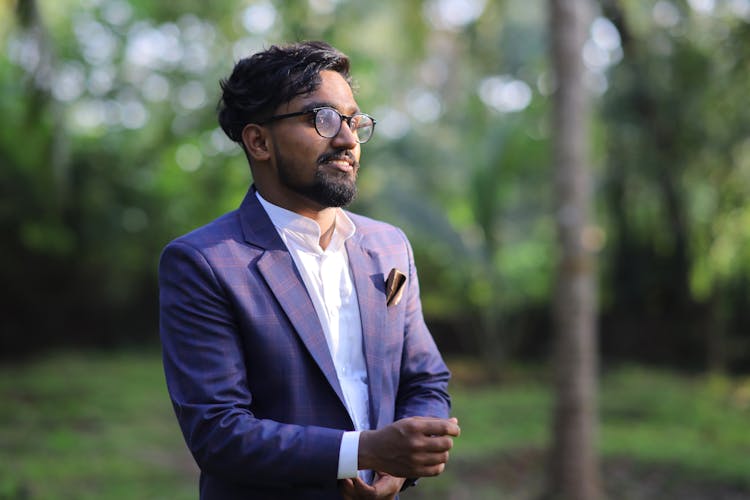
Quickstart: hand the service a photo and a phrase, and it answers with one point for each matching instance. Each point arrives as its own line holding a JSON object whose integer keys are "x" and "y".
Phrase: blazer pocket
{"x": 394, "y": 287}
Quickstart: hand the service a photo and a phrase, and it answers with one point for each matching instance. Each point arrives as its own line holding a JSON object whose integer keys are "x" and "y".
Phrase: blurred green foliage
{"x": 110, "y": 148}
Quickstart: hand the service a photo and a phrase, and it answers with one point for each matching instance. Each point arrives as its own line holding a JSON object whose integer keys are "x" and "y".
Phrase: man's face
{"x": 313, "y": 172}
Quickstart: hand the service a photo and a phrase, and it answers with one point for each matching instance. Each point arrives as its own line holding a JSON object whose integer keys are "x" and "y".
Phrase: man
{"x": 295, "y": 351}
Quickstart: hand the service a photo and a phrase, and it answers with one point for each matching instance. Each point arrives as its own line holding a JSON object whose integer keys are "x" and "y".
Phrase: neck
{"x": 327, "y": 223}
{"x": 324, "y": 216}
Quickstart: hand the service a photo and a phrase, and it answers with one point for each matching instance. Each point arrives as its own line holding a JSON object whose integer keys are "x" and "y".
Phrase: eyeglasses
{"x": 328, "y": 123}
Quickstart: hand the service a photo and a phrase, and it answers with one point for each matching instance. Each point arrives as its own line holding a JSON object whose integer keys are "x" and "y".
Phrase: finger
{"x": 436, "y": 427}
{"x": 384, "y": 476}
{"x": 453, "y": 427}
{"x": 346, "y": 486}
{"x": 387, "y": 486}
{"x": 361, "y": 486}
{"x": 430, "y": 459}
{"x": 437, "y": 444}
{"x": 364, "y": 491}
{"x": 430, "y": 471}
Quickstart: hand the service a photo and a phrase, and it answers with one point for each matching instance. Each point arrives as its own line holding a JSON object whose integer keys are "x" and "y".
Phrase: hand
{"x": 411, "y": 447}
{"x": 385, "y": 487}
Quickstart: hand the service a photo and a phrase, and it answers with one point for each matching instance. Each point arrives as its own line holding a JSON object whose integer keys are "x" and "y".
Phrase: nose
{"x": 346, "y": 138}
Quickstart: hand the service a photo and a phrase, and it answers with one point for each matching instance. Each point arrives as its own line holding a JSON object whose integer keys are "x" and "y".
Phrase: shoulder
{"x": 375, "y": 233}
{"x": 220, "y": 231}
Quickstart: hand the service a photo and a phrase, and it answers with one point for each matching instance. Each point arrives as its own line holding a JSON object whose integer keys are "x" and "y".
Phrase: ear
{"x": 256, "y": 140}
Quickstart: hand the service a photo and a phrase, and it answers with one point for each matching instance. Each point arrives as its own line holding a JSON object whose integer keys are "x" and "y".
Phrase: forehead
{"x": 333, "y": 91}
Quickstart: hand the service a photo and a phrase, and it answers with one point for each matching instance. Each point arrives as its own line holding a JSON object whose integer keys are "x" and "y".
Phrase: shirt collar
{"x": 306, "y": 231}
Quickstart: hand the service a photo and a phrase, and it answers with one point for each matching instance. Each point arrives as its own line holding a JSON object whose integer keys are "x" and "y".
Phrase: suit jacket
{"x": 247, "y": 366}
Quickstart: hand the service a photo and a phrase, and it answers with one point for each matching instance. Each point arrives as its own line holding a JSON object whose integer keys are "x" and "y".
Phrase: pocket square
{"x": 394, "y": 287}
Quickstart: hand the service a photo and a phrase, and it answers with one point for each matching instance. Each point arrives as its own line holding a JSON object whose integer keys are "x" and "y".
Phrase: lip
{"x": 342, "y": 164}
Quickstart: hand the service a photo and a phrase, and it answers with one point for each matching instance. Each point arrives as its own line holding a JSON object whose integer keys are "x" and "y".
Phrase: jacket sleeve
{"x": 207, "y": 382}
{"x": 423, "y": 384}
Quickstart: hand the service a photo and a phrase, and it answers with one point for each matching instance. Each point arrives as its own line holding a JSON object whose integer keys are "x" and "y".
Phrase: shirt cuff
{"x": 349, "y": 455}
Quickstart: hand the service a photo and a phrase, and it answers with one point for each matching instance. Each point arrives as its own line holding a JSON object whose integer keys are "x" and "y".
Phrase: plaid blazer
{"x": 247, "y": 366}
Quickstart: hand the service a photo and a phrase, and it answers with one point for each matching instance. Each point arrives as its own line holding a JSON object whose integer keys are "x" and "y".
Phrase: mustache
{"x": 338, "y": 155}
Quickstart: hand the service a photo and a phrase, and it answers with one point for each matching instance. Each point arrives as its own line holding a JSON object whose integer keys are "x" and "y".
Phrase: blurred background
{"x": 109, "y": 148}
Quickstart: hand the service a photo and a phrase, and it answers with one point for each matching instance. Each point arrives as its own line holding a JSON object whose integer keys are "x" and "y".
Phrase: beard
{"x": 332, "y": 190}
{"x": 328, "y": 188}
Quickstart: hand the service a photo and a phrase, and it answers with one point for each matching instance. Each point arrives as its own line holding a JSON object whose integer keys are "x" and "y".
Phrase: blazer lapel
{"x": 370, "y": 284}
{"x": 277, "y": 268}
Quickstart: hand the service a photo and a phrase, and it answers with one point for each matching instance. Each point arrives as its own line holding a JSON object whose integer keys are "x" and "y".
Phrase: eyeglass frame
{"x": 315, "y": 112}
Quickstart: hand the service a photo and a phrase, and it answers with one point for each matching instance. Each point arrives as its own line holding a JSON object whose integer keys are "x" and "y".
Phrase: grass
{"x": 90, "y": 426}
{"x": 690, "y": 431}
{"x": 100, "y": 426}
{"x": 699, "y": 423}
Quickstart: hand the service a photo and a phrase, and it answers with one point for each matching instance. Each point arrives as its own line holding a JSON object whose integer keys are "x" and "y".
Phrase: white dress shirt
{"x": 330, "y": 285}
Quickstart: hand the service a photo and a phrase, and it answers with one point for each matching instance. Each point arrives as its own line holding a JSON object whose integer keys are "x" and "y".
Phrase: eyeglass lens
{"x": 328, "y": 123}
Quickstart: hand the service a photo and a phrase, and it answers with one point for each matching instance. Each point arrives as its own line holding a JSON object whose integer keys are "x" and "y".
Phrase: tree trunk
{"x": 573, "y": 472}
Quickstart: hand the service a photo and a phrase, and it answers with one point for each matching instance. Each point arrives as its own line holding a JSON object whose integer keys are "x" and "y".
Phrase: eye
{"x": 359, "y": 121}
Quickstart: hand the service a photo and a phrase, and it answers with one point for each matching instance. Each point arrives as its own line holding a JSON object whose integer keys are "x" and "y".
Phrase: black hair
{"x": 259, "y": 84}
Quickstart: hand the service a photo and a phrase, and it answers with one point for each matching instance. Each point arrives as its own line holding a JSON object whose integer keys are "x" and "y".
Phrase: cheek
{"x": 305, "y": 150}
{"x": 299, "y": 141}
{"x": 297, "y": 156}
